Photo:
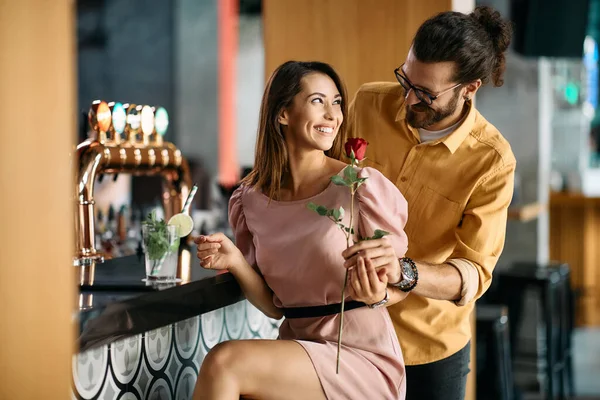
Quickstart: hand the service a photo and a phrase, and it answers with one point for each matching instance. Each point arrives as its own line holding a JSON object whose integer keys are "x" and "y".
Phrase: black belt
{"x": 320, "y": 311}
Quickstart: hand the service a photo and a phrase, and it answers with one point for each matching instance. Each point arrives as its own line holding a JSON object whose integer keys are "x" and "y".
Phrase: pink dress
{"x": 298, "y": 253}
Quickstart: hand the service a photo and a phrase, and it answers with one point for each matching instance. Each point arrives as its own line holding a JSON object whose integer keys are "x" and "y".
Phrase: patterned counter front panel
{"x": 164, "y": 363}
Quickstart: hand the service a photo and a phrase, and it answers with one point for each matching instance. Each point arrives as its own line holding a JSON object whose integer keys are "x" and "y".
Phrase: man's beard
{"x": 420, "y": 115}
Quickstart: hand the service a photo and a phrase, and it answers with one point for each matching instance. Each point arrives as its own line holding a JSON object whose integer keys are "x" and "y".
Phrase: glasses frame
{"x": 421, "y": 94}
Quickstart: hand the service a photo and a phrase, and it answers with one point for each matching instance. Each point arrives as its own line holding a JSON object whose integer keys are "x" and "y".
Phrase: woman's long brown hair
{"x": 271, "y": 156}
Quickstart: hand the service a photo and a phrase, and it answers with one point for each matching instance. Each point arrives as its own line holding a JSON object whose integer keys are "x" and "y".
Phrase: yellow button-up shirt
{"x": 458, "y": 190}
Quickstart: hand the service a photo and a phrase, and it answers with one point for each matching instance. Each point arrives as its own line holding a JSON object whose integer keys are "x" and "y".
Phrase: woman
{"x": 289, "y": 259}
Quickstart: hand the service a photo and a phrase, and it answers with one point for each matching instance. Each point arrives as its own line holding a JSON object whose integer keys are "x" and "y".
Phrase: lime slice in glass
{"x": 184, "y": 224}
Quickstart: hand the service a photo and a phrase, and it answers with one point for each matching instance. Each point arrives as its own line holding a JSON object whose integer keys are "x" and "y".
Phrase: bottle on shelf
{"x": 100, "y": 227}
{"x": 109, "y": 234}
{"x": 121, "y": 225}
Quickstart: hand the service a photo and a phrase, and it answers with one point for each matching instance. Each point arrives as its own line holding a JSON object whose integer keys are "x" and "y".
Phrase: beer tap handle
{"x": 132, "y": 124}
{"x": 161, "y": 124}
{"x": 99, "y": 117}
{"x": 147, "y": 124}
{"x": 118, "y": 122}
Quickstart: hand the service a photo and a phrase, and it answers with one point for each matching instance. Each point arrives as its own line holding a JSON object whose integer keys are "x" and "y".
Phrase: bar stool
{"x": 553, "y": 284}
{"x": 494, "y": 365}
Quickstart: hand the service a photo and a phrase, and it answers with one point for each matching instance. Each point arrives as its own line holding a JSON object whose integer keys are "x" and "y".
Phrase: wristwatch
{"x": 409, "y": 273}
{"x": 380, "y": 303}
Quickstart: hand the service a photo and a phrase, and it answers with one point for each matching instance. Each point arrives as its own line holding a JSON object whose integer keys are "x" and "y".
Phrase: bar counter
{"x": 146, "y": 341}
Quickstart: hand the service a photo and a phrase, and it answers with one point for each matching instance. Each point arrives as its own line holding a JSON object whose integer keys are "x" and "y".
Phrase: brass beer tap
{"x": 141, "y": 152}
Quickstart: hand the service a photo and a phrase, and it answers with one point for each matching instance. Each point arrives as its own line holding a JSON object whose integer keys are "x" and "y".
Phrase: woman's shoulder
{"x": 239, "y": 193}
{"x": 335, "y": 166}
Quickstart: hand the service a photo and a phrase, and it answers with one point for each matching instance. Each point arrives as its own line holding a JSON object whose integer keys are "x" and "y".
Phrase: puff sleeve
{"x": 382, "y": 206}
{"x": 237, "y": 220}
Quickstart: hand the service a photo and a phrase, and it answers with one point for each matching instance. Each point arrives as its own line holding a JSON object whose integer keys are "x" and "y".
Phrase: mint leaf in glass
{"x": 157, "y": 237}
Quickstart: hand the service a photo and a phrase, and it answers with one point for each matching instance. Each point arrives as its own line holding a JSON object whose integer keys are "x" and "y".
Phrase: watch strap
{"x": 380, "y": 303}
{"x": 406, "y": 285}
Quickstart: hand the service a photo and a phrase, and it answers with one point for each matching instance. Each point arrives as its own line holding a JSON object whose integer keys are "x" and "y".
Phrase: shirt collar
{"x": 452, "y": 141}
{"x": 455, "y": 139}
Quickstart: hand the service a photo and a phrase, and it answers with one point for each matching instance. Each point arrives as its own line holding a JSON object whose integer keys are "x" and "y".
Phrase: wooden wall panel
{"x": 38, "y": 115}
{"x": 363, "y": 40}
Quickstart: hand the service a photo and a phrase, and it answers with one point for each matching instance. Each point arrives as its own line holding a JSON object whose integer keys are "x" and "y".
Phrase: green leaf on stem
{"x": 321, "y": 210}
{"x": 342, "y": 213}
{"x": 338, "y": 213}
{"x": 350, "y": 174}
{"x": 351, "y": 231}
{"x": 338, "y": 180}
{"x": 377, "y": 234}
{"x": 359, "y": 182}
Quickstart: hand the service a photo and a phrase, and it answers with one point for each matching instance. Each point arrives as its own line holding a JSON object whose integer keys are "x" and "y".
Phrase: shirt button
{"x": 403, "y": 179}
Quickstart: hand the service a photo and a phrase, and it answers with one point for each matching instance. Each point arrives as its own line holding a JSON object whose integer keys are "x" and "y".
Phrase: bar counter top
{"x": 115, "y": 302}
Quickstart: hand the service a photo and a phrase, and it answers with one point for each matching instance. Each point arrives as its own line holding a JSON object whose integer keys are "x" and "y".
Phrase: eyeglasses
{"x": 421, "y": 94}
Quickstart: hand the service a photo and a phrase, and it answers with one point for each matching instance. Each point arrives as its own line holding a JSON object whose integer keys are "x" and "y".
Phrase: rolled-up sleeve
{"x": 482, "y": 232}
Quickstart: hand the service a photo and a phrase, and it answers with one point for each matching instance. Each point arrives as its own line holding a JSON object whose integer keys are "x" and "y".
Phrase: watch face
{"x": 407, "y": 271}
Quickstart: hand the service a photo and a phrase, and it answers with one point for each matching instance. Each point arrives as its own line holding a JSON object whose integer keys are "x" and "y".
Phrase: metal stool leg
{"x": 571, "y": 326}
{"x": 562, "y": 349}
{"x": 546, "y": 294}
{"x": 505, "y": 377}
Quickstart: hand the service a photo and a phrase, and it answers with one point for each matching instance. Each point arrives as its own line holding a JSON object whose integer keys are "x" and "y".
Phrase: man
{"x": 456, "y": 171}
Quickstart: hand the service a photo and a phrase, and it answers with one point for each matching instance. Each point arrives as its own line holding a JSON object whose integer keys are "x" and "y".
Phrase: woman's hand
{"x": 365, "y": 283}
{"x": 218, "y": 252}
{"x": 380, "y": 252}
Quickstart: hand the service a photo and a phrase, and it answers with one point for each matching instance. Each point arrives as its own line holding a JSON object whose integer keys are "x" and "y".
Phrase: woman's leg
{"x": 262, "y": 369}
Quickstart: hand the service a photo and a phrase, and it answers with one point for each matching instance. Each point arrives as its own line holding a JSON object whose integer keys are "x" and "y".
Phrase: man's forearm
{"x": 438, "y": 281}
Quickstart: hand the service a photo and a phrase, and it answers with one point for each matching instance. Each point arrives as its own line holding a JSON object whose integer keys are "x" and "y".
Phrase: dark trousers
{"x": 441, "y": 380}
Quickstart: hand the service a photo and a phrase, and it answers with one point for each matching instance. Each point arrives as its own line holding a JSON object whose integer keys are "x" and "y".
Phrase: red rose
{"x": 358, "y": 146}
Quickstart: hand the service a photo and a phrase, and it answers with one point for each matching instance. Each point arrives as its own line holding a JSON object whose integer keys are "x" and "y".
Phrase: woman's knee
{"x": 220, "y": 360}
